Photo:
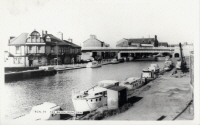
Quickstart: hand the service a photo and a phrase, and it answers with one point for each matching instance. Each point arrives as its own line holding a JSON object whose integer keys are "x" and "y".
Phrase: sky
{"x": 173, "y": 21}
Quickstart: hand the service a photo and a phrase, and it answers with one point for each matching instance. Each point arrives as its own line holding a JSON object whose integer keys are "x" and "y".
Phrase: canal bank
{"x": 165, "y": 98}
{"x": 57, "y": 88}
{"x": 22, "y": 72}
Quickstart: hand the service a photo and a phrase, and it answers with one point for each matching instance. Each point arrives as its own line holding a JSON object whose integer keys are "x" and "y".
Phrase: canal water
{"x": 21, "y": 96}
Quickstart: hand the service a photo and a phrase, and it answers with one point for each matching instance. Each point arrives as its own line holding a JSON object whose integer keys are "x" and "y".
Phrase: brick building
{"x": 35, "y": 50}
{"x": 142, "y": 42}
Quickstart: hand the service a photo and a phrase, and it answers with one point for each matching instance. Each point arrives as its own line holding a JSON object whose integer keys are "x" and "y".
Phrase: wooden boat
{"x": 93, "y": 64}
{"x": 94, "y": 98}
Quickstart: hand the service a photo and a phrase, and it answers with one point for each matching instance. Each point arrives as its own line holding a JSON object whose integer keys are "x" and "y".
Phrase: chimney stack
{"x": 155, "y": 41}
{"x": 60, "y": 35}
{"x": 92, "y": 36}
{"x": 155, "y": 37}
{"x": 70, "y": 40}
{"x": 42, "y": 33}
{"x": 11, "y": 37}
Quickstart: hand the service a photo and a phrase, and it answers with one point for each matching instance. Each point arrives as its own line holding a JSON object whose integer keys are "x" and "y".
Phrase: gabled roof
{"x": 72, "y": 44}
{"x": 19, "y": 40}
{"x": 35, "y": 33}
{"x": 55, "y": 40}
{"x": 93, "y": 40}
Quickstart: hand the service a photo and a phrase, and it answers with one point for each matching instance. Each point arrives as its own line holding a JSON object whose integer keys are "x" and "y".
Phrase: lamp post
{"x": 57, "y": 52}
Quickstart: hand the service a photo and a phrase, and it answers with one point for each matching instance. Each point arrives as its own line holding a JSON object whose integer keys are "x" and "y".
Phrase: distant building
{"x": 163, "y": 44}
{"x": 36, "y": 50}
{"x": 94, "y": 42}
{"x": 142, "y": 42}
{"x": 186, "y": 49}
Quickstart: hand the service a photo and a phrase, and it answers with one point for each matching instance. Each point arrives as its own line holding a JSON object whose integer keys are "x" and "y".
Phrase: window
{"x": 39, "y": 59}
{"x": 39, "y": 49}
{"x": 15, "y": 60}
{"x": 18, "y": 49}
{"x": 52, "y": 49}
{"x": 48, "y": 39}
{"x": 19, "y": 60}
{"x": 30, "y": 49}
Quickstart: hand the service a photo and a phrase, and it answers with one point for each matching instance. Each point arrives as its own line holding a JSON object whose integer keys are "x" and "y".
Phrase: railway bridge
{"x": 127, "y": 51}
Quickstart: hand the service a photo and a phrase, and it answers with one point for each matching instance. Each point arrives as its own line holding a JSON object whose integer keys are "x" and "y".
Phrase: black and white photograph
{"x": 100, "y": 62}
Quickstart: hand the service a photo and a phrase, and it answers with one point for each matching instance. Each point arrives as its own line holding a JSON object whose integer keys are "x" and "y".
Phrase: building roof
{"x": 72, "y": 44}
{"x": 19, "y": 40}
{"x": 35, "y": 33}
{"x": 141, "y": 40}
{"x": 116, "y": 88}
{"x": 92, "y": 39}
{"x": 59, "y": 41}
{"x": 54, "y": 40}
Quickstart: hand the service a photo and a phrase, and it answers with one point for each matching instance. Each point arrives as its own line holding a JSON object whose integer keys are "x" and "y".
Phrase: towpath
{"x": 166, "y": 98}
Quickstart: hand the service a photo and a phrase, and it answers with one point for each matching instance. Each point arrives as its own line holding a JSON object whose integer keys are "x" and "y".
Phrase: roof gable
{"x": 19, "y": 40}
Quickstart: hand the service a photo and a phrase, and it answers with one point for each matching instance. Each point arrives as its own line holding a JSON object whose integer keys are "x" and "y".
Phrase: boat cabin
{"x": 45, "y": 111}
{"x": 154, "y": 67}
{"x": 146, "y": 73}
{"x": 116, "y": 97}
{"x": 131, "y": 83}
{"x": 106, "y": 83}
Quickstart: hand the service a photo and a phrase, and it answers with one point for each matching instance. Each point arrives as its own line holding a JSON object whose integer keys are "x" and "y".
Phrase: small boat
{"x": 168, "y": 65}
{"x": 178, "y": 64}
{"x": 94, "y": 98}
{"x": 114, "y": 61}
{"x": 121, "y": 60}
{"x": 154, "y": 67}
{"x": 93, "y": 64}
{"x": 130, "y": 58}
{"x": 44, "y": 111}
{"x": 60, "y": 68}
{"x": 131, "y": 83}
{"x": 46, "y": 68}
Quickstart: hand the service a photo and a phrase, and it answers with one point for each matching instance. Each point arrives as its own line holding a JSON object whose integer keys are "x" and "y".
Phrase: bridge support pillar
{"x": 118, "y": 55}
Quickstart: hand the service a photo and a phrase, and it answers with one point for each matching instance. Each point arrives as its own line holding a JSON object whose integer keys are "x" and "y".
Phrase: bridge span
{"x": 121, "y": 52}
{"x": 129, "y": 49}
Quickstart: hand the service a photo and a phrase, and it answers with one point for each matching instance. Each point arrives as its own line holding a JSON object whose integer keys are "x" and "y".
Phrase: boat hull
{"x": 114, "y": 62}
{"x": 93, "y": 66}
{"x": 85, "y": 105}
